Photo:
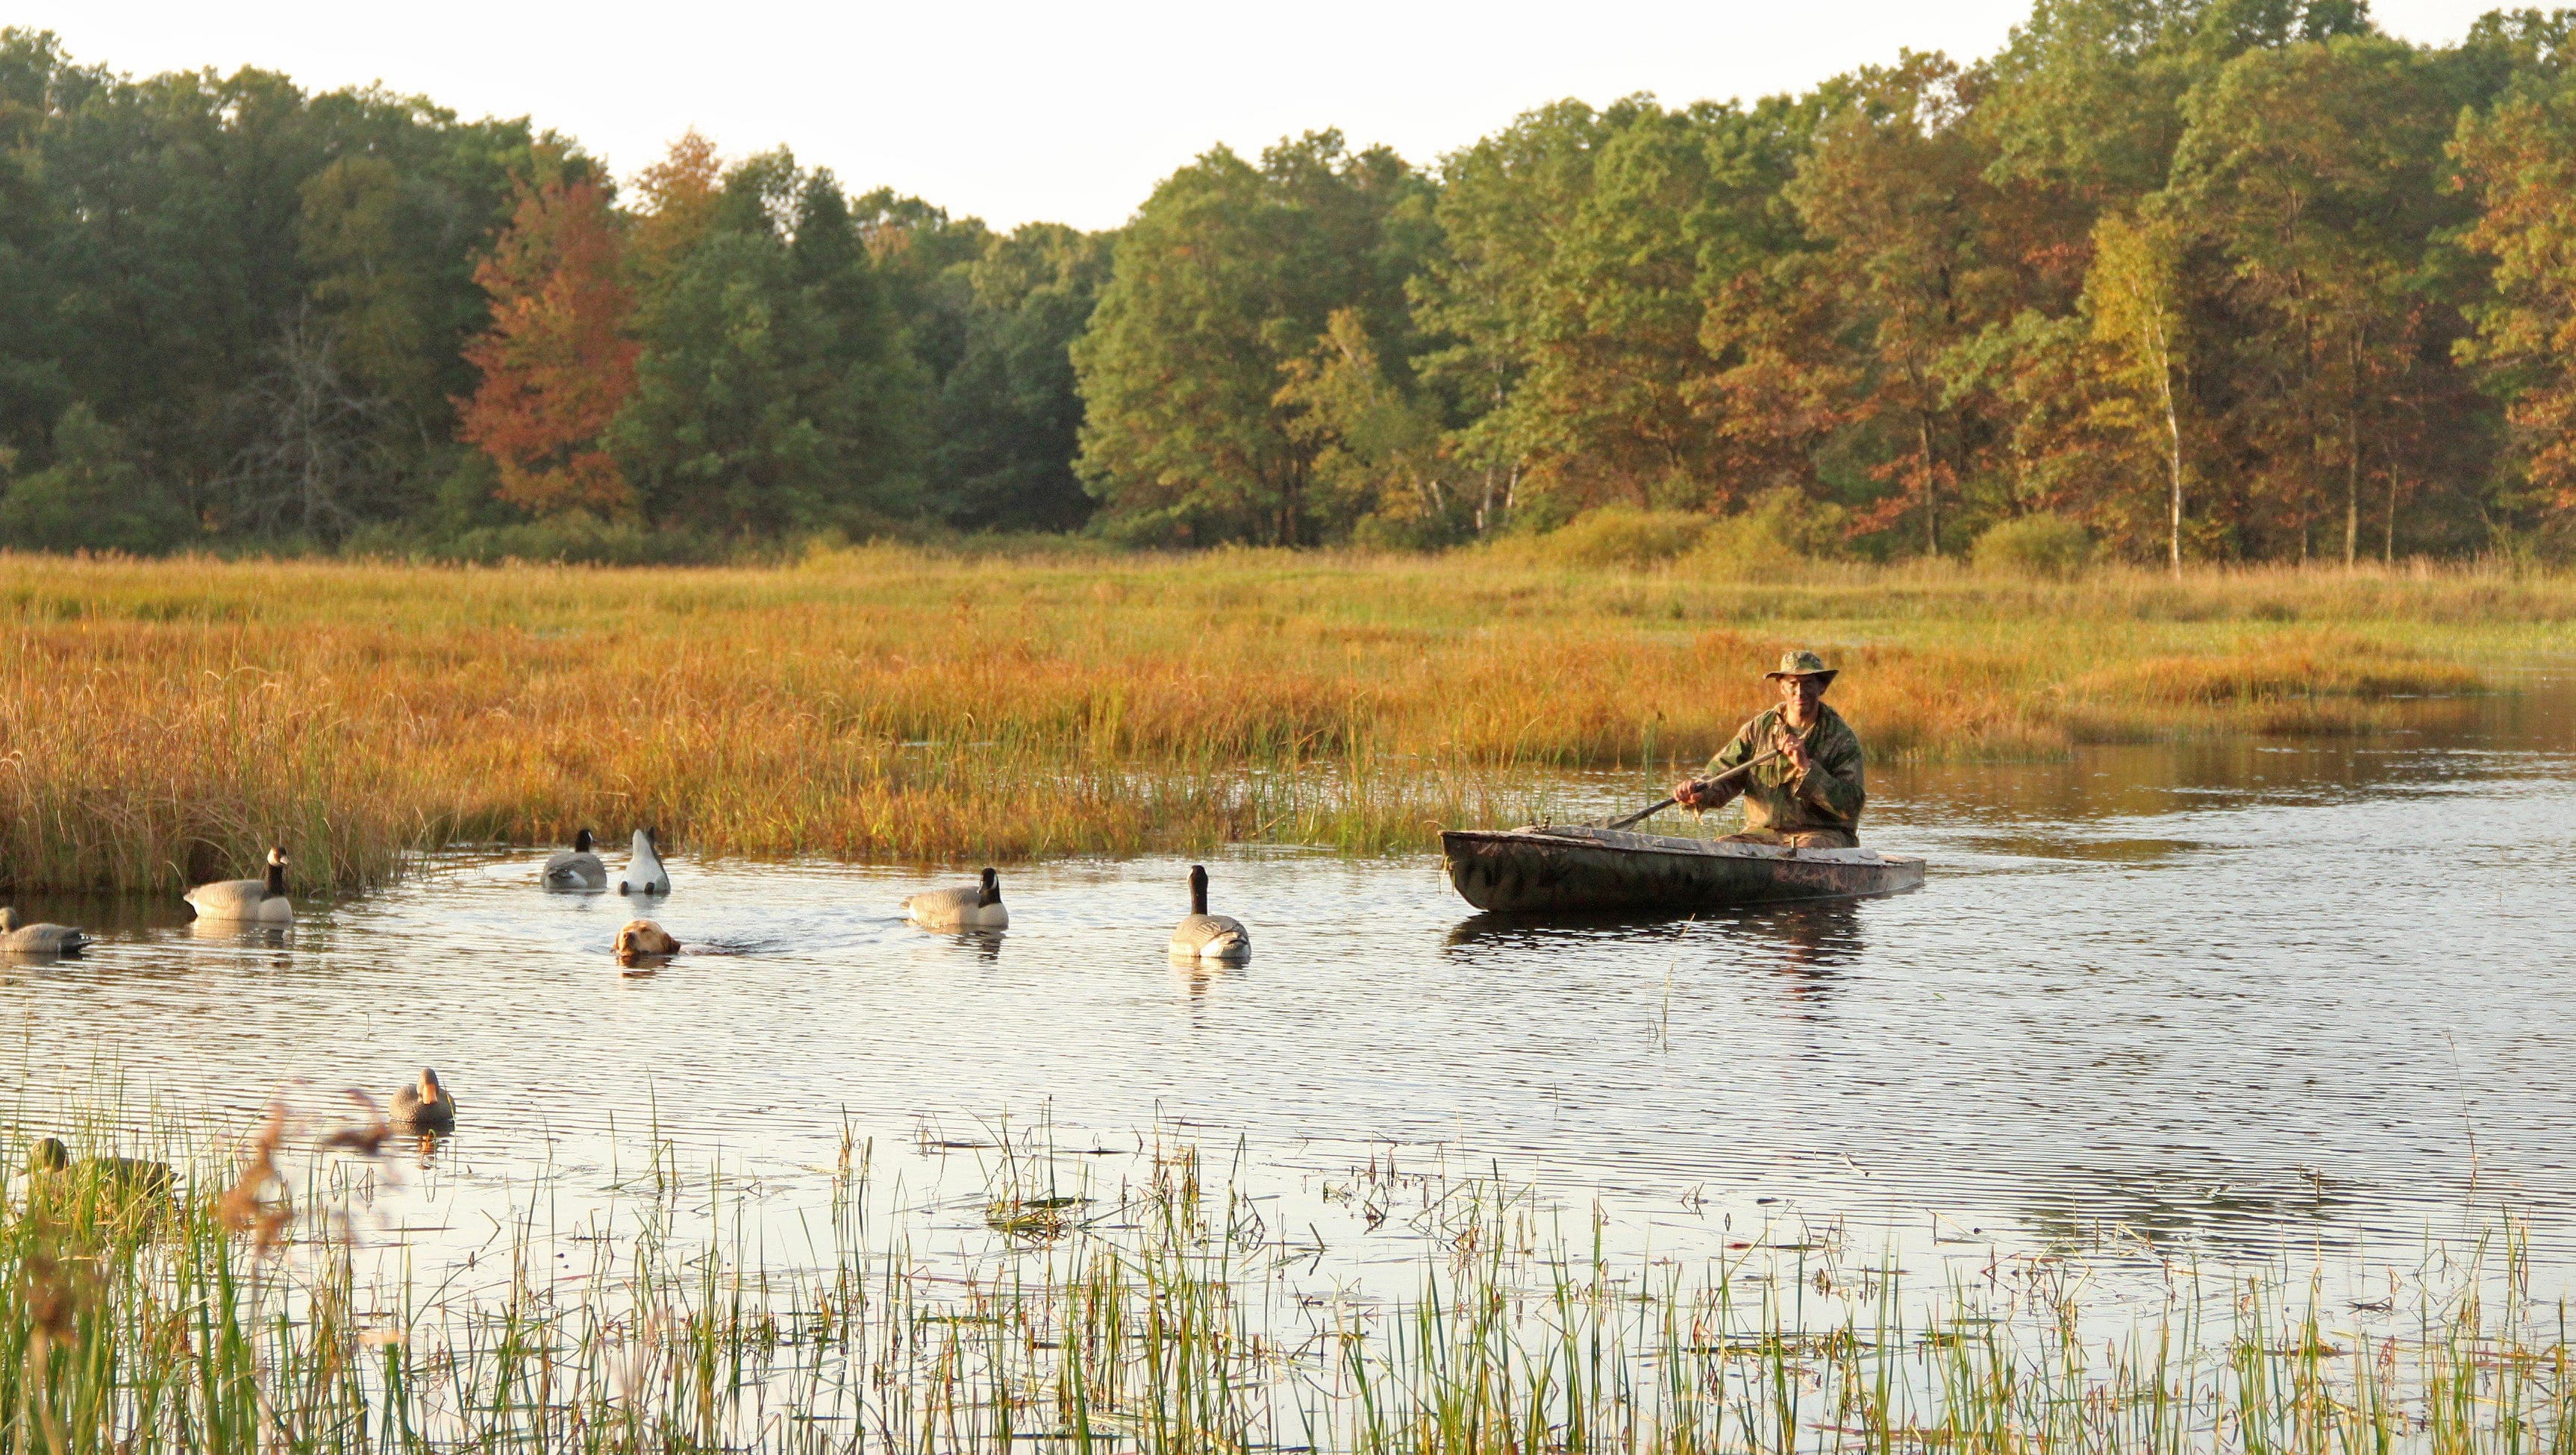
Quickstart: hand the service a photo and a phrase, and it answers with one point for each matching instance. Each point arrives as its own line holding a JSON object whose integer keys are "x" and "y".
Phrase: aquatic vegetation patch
{"x": 1172, "y": 1314}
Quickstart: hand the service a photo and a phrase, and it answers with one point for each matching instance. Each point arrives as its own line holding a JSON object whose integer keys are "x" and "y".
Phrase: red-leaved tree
{"x": 555, "y": 364}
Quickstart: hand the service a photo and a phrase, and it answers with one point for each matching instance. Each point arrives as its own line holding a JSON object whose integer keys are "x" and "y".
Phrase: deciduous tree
{"x": 1226, "y": 274}
{"x": 556, "y": 364}
{"x": 2134, "y": 296}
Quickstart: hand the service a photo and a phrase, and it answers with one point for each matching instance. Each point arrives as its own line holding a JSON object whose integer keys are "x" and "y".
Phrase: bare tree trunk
{"x": 2173, "y": 447}
{"x": 1931, "y": 487}
{"x": 2352, "y": 448}
{"x": 2388, "y": 544}
{"x": 314, "y": 448}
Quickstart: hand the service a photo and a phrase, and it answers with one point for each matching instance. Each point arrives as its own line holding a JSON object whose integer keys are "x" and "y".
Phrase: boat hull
{"x": 1543, "y": 870}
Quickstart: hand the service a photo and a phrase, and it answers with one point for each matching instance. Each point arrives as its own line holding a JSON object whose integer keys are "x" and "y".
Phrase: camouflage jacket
{"x": 1775, "y": 797}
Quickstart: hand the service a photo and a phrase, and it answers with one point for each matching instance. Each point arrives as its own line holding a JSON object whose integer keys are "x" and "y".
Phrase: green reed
{"x": 1172, "y": 1316}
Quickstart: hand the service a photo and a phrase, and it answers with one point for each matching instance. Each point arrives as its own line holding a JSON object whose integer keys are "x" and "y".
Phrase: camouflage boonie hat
{"x": 1803, "y": 664}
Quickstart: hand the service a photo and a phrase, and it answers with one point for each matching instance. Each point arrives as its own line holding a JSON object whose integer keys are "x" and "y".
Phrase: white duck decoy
{"x": 1205, "y": 936}
{"x": 21, "y": 938}
{"x": 423, "y": 1106}
{"x": 644, "y": 874}
{"x": 251, "y": 901}
{"x": 977, "y": 908}
{"x": 576, "y": 868}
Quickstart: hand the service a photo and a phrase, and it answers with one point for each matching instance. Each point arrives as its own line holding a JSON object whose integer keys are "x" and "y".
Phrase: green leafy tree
{"x": 2520, "y": 163}
{"x": 2086, "y": 97}
{"x": 1009, "y": 421}
{"x": 1481, "y": 297}
{"x": 2134, "y": 296}
{"x": 1921, "y": 256}
{"x": 1226, "y": 274}
{"x": 94, "y": 497}
{"x": 2318, "y": 169}
{"x": 1377, "y": 450}
{"x": 772, "y": 393}
{"x": 33, "y": 390}
{"x": 923, "y": 255}
{"x": 1636, "y": 313}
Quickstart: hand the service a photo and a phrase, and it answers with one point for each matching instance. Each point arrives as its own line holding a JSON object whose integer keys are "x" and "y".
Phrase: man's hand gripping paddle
{"x": 1665, "y": 802}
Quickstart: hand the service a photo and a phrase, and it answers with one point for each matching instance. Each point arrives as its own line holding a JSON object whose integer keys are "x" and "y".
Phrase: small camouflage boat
{"x": 1546, "y": 868}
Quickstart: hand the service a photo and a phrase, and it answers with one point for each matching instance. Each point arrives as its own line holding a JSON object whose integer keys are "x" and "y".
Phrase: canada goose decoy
{"x": 126, "y": 1174}
{"x": 643, "y": 937}
{"x": 253, "y": 901}
{"x": 644, "y": 868}
{"x": 424, "y": 1106}
{"x": 21, "y": 938}
{"x": 576, "y": 868}
{"x": 978, "y": 908}
{"x": 1205, "y": 936}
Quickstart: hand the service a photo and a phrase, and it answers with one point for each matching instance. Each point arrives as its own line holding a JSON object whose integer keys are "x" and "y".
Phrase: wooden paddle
{"x": 1660, "y": 804}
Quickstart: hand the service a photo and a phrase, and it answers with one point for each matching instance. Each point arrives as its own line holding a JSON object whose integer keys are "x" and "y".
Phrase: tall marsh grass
{"x": 162, "y": 722}
{"x": 1169, "y": 1315}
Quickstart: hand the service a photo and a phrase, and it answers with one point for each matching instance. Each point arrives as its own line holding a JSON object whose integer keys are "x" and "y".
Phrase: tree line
{"x": 2216, "y": 279}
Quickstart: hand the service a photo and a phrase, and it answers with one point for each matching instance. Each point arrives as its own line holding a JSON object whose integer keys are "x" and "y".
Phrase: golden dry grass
{"x": 164, "y": 721}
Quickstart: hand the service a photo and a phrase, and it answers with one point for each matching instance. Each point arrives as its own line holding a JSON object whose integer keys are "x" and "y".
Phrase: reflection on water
{"x": 2100, "y": 851}
{"x": 2233, "y": 996}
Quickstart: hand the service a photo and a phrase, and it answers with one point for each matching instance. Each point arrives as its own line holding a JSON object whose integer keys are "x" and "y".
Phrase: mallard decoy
{"x": 125, "y": 1174}
{"x": 423, "y": 1106}
{"x": 21, "y": 938}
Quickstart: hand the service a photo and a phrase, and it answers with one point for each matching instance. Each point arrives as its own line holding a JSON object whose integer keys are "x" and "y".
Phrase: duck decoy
{"x": 21, "y": 938}
{"x": 576, "y": 868}
{"x": 125, "y": 1174}
{"x": 1205, "y": 936}
{"x": 251, "y": 901}
{"x": 977, "y": 907}
{"x": 644, "y": 874}
{"x": 423, "y": 1106}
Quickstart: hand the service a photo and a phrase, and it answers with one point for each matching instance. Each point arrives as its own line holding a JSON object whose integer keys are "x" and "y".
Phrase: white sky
{"x": 1017, "y": 111}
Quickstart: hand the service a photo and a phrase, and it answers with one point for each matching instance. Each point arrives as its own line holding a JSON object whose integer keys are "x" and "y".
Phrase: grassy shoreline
{"x": 165, "y": 720}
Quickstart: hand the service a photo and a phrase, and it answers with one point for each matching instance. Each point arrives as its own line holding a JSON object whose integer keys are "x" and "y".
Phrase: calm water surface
{"x": 2244, "y": 999}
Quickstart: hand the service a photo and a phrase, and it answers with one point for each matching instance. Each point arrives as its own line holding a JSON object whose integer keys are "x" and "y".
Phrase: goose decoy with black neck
{"x": 252, "y": 901}
{"x": 1205, "y": 936}
{"x": 21, "y": 938}
{"x": 976, "y": 908}
{"x": 644, "y": 873}
{"x": 576, "y": 868}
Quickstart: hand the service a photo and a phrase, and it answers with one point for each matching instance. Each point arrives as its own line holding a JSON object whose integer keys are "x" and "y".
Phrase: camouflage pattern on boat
{"x": 1567, "y": 868}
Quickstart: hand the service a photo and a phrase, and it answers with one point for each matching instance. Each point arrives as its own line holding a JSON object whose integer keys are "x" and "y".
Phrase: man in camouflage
{"x": 1809, "y": 797}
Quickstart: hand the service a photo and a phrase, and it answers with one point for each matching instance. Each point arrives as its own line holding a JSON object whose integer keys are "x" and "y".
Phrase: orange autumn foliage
{"x": 555, "y": 366}
{"x": 680, "y": 193}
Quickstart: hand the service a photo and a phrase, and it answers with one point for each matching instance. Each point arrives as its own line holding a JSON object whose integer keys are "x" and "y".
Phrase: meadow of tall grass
{"x": 163, "y": 722}
{"x": 1168, "y": 1314}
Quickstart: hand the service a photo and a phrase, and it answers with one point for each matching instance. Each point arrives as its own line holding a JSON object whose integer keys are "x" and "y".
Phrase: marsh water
{"x": 2247, "y": 1000}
